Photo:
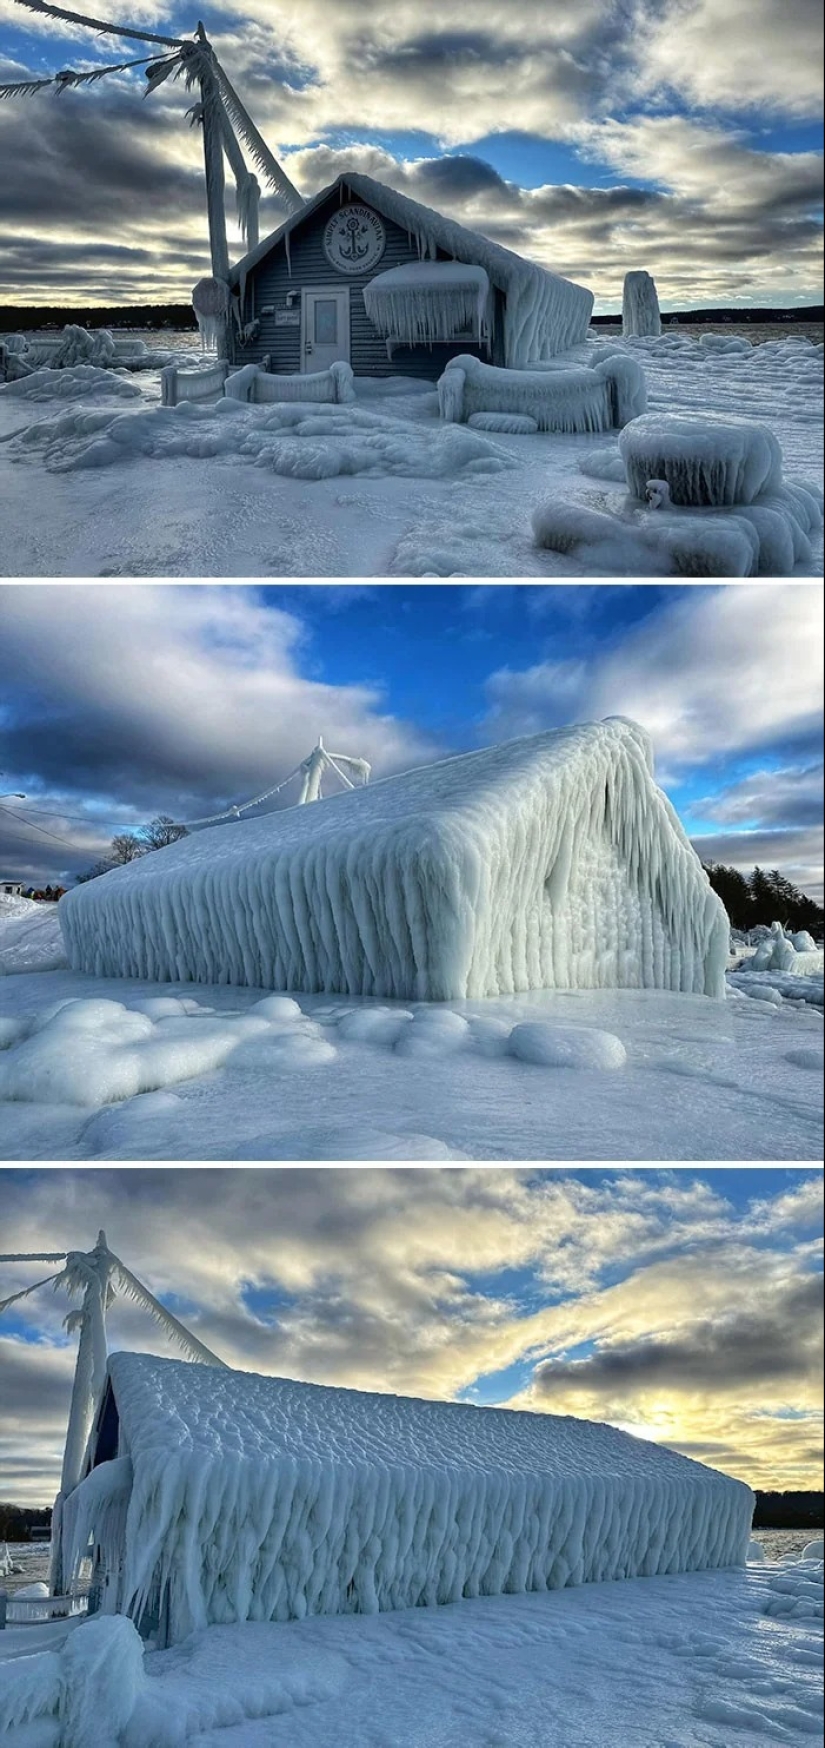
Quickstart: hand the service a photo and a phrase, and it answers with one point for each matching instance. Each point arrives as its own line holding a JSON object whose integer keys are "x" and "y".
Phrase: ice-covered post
{"x": 640, "y": 306}
{"x": 215, "y": 181}
{"x": 313, "y": 770}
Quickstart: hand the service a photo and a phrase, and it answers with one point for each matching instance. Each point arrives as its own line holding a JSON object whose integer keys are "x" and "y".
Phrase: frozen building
{"x": 219, "y": 1496}
{"x": 367, "y": 276}
{"x": 548, "y": 863}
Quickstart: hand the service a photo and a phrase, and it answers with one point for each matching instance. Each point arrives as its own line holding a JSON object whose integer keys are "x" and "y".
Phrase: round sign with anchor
{"x": 354, "y": 239}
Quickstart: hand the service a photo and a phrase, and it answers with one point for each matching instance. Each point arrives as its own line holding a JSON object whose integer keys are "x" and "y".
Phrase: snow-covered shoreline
{"x": 380, "y": 489}
{"x": 702, "y": 1660}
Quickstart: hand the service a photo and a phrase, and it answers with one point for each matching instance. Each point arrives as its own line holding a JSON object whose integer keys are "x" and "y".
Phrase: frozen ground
{"x": 709, "y": 1660}
{"x": 379, "y": 489}
{"x": 588, "y": 1074}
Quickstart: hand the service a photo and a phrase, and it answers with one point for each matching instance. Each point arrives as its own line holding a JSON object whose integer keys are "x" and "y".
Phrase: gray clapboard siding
{"x": 271, "y": 280}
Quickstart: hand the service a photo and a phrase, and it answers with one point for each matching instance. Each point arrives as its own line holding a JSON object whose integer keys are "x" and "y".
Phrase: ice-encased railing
{"x": 579, "y": 398}
{"x": 265, "y": 1499}
{"x": 552, "y": 862}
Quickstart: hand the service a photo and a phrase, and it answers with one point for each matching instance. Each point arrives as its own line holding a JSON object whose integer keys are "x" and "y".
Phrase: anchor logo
{"x": 349, "y": 245}
{"x": 354, "y": 239}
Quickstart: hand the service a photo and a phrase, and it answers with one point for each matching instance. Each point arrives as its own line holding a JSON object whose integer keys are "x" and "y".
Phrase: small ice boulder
{"x": 555, "y": 1046}
{"x": 277, "y": 1007}
{"x": 813, "y": 1550}
{"x": 756, "y": 1554}
{"x": 508, "y": 424}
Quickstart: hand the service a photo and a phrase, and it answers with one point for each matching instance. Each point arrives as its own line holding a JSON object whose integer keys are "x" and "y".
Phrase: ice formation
{"x": 430, "y": 301}
{"x": 543, "y": 312}
{"x": 254, "y": 1498}
{"x": 293, "y": 441}
{"x": 796, "y": 954}
{"x": 250, "y": 383}
{"x": 640, "y": 306}
{"x": 74, "y": 383}
{"x": 551, "y": 862}
{"x": 579, "y": 398}
{"x": 706, "y": 459}
{"x": 205, "y": 384}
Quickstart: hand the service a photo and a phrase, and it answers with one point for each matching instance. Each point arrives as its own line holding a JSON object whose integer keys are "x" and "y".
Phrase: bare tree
{"x": 160, "y": 832}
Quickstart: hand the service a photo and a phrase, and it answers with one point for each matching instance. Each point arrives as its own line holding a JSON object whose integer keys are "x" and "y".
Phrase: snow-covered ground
{"x": 587, "y": 1074}
{"x": 707, "y": 1660}
{"x": 379, "y": 488}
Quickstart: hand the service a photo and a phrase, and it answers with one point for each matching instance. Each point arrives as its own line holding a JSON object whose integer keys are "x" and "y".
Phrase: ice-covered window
{"x": 326, "y": 321}
{"x": 429, "y": 301}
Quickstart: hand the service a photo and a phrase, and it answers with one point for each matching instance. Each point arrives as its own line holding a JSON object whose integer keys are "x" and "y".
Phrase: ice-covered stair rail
{"x": 548, "y": 863}
{"x": 257, "y": 1498}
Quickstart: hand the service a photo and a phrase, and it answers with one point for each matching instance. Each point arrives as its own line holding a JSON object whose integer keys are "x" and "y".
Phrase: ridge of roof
{"x": 446, "y": 232}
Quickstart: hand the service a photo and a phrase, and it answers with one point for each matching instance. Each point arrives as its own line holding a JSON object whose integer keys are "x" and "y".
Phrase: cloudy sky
{"x": 595, "y": 135}
{"x": 122, "y": 701}
{"x": 685, "y": 1307}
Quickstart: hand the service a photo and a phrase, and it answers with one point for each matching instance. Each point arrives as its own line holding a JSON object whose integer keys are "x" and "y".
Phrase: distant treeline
{"x": 764, "y": 898}
{"x": 138, "y": 315}
{"x": 812, "y": 313}
{"x": 17, "y": 1521}
{"x": 788, "y": 1511}
{"x": 182, "y": 315}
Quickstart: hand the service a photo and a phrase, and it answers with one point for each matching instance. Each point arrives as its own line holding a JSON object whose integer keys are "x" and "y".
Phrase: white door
{"x": 325, "y": 330}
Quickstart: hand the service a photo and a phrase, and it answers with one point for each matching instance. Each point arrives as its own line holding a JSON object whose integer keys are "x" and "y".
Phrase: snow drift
{"x": 257, "y": 1498}
{"x": 551, "y": 862}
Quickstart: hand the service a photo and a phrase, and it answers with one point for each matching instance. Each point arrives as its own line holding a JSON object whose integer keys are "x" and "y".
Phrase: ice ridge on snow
{"x": 257, "y": 1498}
{"x": 552, "y": 862}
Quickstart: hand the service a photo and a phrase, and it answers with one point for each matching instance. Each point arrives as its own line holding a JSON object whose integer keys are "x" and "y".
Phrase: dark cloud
{"x": 779, "y": 1343}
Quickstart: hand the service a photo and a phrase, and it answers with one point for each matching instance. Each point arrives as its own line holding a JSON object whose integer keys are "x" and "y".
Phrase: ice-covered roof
{"x": 550, "y": 862}
{"x": 240, "y": 1497}
{"x": 172, "y": 1408}
{"x": 545, "y": 313}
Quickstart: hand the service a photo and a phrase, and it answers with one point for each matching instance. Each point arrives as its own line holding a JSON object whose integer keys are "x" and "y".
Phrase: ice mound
{"x": 552, "y": 862}
{"x": 289, "y": 439}
{"x": 552, "y": 1046}
{"x": 797, "y": 1591}
{"x": 95, "y": 1052}
{"x": 258, "y": 1498}
{"x": 706, "y": 459}
{"x": 580, "y": 398}
{"x": 640, "y": 305}
{"x": 614, "y": 542}
{"x": 73, "y": 384}
{"x": 510, "y": 424}
{"x": 778, "y": 951}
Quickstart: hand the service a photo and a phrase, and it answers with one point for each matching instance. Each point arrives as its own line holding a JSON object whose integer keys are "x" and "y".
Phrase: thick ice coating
{"x": 548, "y": 863}
{"x": 258, "y": 1498}
{"x": 705, "y": 458}
{"x": 640, "y": 306}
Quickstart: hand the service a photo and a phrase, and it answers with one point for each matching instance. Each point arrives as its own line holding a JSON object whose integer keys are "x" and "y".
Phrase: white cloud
{"x": 394, "y": 1279}
{"x": 170, "y": 698}
{"x": 713, "y": 673}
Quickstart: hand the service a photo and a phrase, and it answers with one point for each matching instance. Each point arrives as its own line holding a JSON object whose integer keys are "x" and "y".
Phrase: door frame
{"x": 343, "y": 293}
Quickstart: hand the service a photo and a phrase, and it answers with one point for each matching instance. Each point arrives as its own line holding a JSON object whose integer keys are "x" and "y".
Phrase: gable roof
{"x": 467, "y": 877}
{"x": 538, "y": 300}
